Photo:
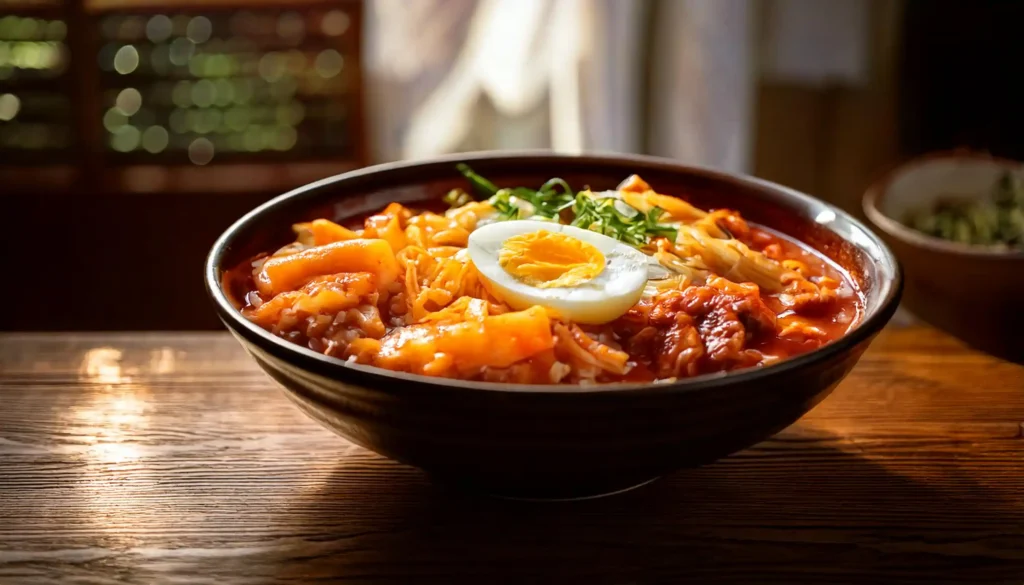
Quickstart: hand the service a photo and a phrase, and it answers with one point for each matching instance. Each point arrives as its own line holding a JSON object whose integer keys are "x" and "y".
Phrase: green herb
{"x": 547, "y": 202}
{"x": 606, "y": 215}
{"x": 553, "y": 196}
{"x": 613, "y": 217}
{"x": 457, "y": 198}
{"x": 502, "y": 203}
{"x": 482, "y": 186}
{"x": 999, "y": 222}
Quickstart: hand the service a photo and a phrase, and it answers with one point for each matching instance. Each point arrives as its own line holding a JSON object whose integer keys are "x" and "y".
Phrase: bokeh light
{"x": 284, "y": 138}
{"x": 290, "y": 114}
{"x": 199, "y": 29}
{"x": 9, "y": 106}
{"x": 126, "y": 60}
{"x": 155, "y": 139}
{"x": 272, "y": 66}
{"x": 237, "y": 119}
{"x": 334, "y": 23}
{"x": 114, "y": 119}
{"x": 235, "y": 142}
{"x": 329, "y": 63}
{"x": 159, "y": 28}
{"x": 181, "y": 50}
{"x": 206, "y": 121}
{"x": 125, "y": 139}
{"x": 129, "y": 101}
{"x": 204, "y": 92}
{"x": 35, "y": 107}
{"x": 200, "y": 152}
{"x": 243, "y": 91}
{"x": 252, "y": 139}
{"x": 32, "y": 55}
{"x": 34, "y": 111}
{"x": 224, "y": 92}
{"x": 253, "y": 81}
{"x": 291, "y": 27}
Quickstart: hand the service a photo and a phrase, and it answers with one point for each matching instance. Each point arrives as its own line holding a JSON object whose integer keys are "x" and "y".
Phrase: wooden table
{"x": 169, "y": 458}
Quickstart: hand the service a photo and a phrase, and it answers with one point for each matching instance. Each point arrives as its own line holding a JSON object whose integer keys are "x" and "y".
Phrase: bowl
{"x": 550, "y": 441}
{"x": 972, "y": 293}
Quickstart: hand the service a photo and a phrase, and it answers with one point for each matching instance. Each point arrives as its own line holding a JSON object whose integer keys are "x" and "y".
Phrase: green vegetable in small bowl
{"x": 997, "y": 222}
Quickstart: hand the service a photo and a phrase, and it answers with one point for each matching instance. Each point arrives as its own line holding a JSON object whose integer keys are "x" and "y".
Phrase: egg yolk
{"x": 550, "y": 260}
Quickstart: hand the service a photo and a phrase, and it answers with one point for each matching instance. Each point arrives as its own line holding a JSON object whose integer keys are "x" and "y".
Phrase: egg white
{"x": 598, "y": 300}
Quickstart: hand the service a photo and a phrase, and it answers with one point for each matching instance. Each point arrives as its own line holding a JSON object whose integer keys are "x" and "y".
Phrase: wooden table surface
{"x": 169, "y": 458}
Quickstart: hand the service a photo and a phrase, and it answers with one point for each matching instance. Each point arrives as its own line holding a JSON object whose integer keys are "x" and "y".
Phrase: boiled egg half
{"x": 582, "y": 275}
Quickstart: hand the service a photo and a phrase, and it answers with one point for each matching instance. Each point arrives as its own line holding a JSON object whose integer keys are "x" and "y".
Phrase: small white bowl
{"x": 921, "y": 183}
{"x": 972, "y": 292}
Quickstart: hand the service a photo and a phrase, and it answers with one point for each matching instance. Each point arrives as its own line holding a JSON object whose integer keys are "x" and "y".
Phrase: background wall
{"x": 92, "y": 239}
{"x": 830, "y": 136}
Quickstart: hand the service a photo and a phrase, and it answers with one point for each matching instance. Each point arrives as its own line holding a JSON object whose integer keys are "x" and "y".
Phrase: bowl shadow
{"x": 770, "y": 514}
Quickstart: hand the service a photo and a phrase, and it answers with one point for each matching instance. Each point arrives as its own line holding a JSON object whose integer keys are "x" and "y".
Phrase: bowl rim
{"x": 385, "y": 380}
{"x": 875, "y": 193}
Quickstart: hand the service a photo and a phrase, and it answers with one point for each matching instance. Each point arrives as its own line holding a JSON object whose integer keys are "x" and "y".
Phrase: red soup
{"x": 549, "y": 286}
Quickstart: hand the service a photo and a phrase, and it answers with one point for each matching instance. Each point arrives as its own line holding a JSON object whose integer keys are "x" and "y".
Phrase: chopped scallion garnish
{"x": 606, "y": 215}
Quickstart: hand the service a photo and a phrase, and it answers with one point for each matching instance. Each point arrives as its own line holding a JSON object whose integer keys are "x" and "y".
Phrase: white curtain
{"x": 572, "y": 75}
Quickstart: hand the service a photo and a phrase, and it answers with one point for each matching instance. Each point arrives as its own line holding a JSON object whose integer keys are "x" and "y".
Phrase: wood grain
{"x": 169, "y": 458}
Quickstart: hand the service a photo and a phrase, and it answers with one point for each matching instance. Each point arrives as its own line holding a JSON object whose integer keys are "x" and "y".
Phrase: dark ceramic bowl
{"x": 970, "y": 292}
{"x": 554, "y": 441}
